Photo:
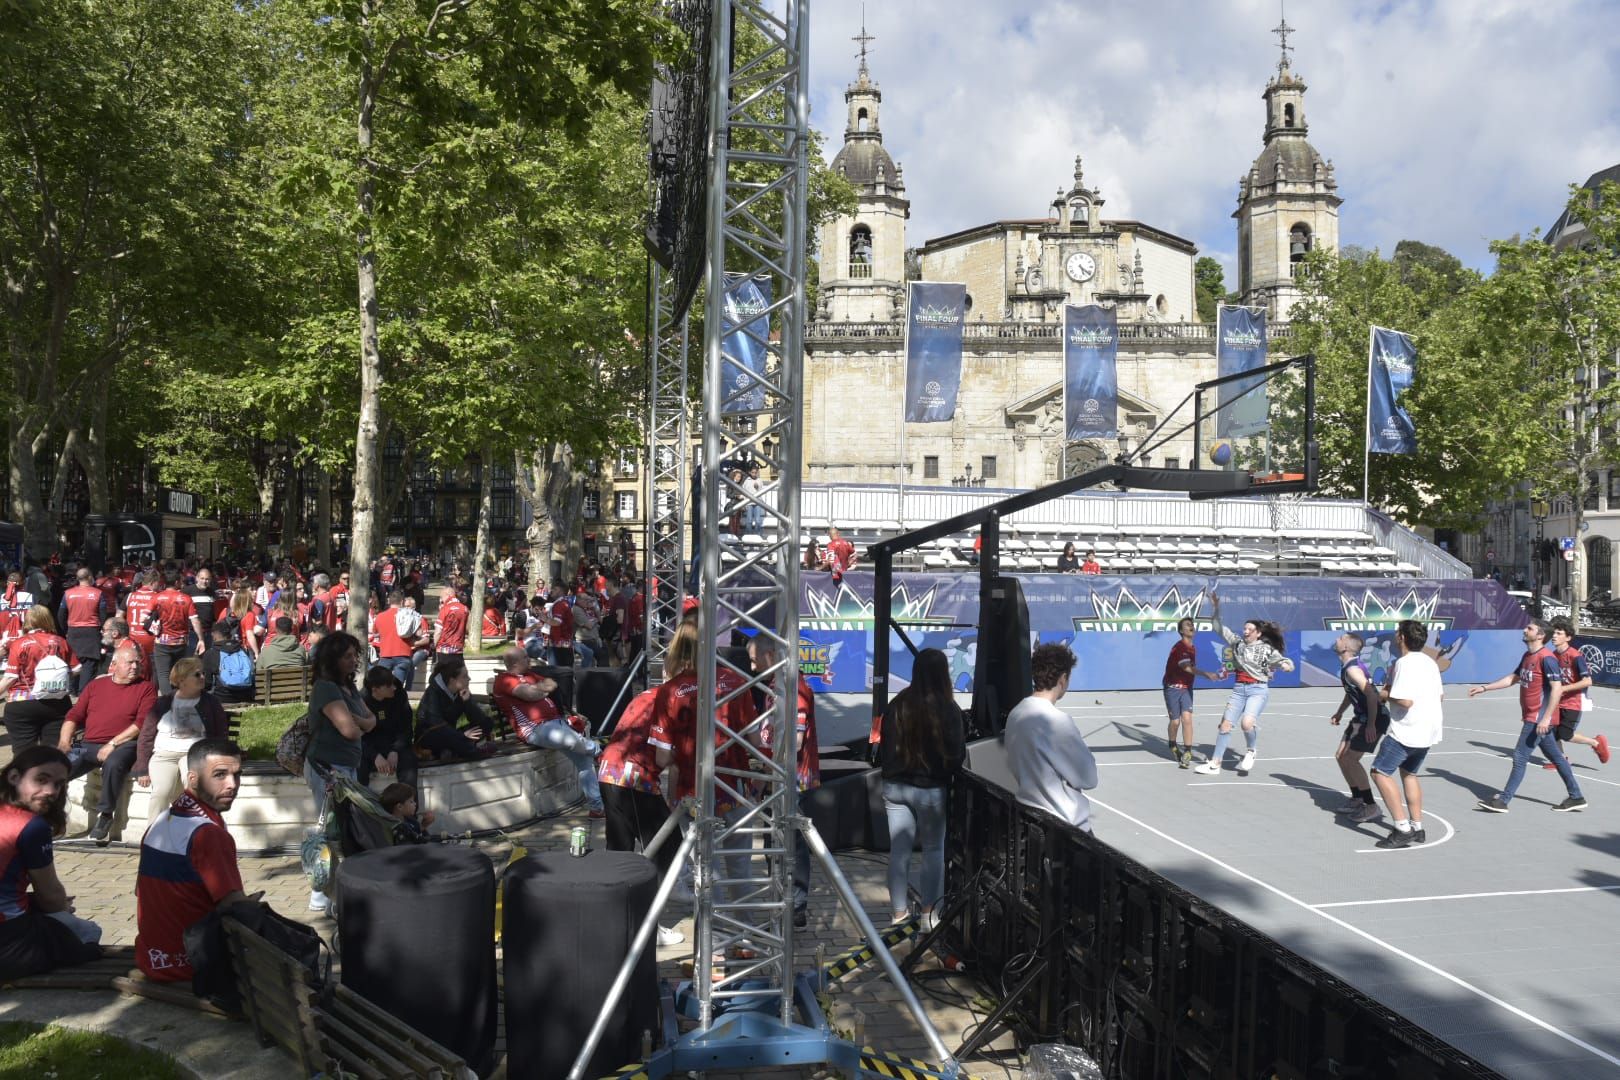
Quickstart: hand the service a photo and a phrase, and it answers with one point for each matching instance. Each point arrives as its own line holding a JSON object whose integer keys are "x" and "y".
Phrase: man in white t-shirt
{"x": 1045, "y": 750}
{"x": 1414, "y": 694}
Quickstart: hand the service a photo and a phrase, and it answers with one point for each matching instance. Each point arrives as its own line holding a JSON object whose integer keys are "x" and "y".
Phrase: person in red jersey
{"x": 629, "y": 774}
{"x": 36, "y": 681}
{"x": 175, "y": 616}
{"x": 188, "y": 862}
{"x": 111, "y": 587}
{"x": 38, "y": 930}
{"x": 1090, "y": 565}
{"x": 83, "y": 608}
{"x": 562, "y": 626}
{"x": 1540, "y": 687}
{"x": 14, "y": 605}
{"x": 633, "y": 626}
{"x": 839, "y": 554}
{"x": 138, "y": 612}
{"x": 1577, "y": 679}
{"x": 451, "y": 639}
{"x": 1179, "y": 671}
{"x": 398, "y": 627}
{"x": 524, "y": 700}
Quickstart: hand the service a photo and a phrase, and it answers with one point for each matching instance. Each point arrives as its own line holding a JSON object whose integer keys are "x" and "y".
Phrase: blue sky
{"x": 1454, "y": 122}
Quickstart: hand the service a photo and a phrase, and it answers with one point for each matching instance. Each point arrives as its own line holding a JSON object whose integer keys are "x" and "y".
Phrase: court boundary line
{"x": 1393, "y": 950}
{"x": 1468, "y": 896}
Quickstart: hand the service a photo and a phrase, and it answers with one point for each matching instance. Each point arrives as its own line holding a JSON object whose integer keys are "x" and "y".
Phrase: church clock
{"x": 1080, "y": 266}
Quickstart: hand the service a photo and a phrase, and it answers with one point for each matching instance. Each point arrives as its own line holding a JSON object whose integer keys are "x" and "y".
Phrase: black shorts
{"x": 1568, "y": 721}
{"x": 1363, "y": 737}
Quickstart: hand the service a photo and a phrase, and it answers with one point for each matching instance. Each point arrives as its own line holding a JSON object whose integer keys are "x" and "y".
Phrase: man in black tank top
{"x": 1362, "y": 734}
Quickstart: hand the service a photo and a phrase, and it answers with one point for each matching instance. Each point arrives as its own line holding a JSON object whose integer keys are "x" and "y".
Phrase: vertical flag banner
{"x": 1391, "y": 363}
{"x": 1240, "y": 345}
{"x": 746, "y": 343}
{"x": 1090, "y": 378}
{"x": 934, "y": 314}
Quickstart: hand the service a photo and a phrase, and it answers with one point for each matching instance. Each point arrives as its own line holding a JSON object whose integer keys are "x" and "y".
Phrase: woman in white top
{"x": 169, "y": 729}
{"x": 1257, "y": 655}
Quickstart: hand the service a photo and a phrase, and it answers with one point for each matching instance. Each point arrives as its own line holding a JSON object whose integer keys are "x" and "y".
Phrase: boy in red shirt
{"x": 1540, "y": 686}
{"x": 1179, "y": 671}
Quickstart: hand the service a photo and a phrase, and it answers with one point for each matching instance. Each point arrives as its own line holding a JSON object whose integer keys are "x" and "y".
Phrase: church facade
{"x": 1019, "y": 275}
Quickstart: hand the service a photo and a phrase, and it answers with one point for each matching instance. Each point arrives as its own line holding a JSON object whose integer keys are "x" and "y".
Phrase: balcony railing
{"x": 860, "y": 270}
{"x": 986, "y": 331}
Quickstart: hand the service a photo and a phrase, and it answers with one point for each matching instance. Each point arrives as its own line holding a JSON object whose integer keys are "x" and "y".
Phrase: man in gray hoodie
{"x": 1045, "y": 750}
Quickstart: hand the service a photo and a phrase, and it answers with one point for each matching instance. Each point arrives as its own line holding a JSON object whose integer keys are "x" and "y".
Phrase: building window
{"x": 860, "y": 252}
{"x": 931, "y": 467}
{"x": 1288, "y": 116}
{"x": 1599, "y": 564}
{"x": 591, "y": 506}
{"x": 987, "y": 467}
{"x": 627, "y": 462}
{"x": 862, "y": 120}
{"x": 1594, "y": 485}
{"x": 502, "y": 511}
{"x": 624, "y": 504}
{"x": 666, "y": 458}
{"x": 422, "y": 510}
{"x": 1172, "y": 463}
{"x": 664, "y": 503}
{"x": 1299, "y": 245}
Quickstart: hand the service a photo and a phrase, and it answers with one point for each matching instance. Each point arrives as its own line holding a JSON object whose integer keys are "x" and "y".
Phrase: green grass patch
{"x": 262, "y": 726}
{"x": 29, "y": 1050}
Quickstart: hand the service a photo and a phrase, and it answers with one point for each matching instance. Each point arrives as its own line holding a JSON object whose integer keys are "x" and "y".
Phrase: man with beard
{"x": 188, "y": 862}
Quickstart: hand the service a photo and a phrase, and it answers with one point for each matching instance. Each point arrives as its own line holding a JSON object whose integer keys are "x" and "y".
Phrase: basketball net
{"x": 1285, "y": 510}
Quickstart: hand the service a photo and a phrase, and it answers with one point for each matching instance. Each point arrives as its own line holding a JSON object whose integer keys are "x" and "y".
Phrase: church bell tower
{"x": 863, "y": 255}
{"x": 1288, "y": 202}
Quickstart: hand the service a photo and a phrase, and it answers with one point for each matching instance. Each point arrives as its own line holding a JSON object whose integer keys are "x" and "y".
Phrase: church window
{"x": 860, "y": 252}
{"x": 861, "y": 120}
{"x": 931, "y": 467}
{"x": 1161, "y": 305}
{"x": 967, "y": 301}
{"x": 1288, "y": 116}
{"x": 1299, "y": 245}
{"x": 987, "y": 467}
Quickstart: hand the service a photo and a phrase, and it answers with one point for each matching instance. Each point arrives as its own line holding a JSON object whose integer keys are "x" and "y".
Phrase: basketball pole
{"x": 1366, "y": 424}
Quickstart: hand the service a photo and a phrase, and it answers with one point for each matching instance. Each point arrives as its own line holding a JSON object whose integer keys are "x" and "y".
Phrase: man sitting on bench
{"x": 110, "y": 711}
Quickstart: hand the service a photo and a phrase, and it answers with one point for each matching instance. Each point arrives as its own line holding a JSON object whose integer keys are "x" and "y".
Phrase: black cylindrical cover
{"x": 567, "y": 925}
{"x": 417, "y": 928}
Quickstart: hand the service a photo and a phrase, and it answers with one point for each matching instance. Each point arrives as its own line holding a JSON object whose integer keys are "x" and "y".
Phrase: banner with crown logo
{"x": 746, "y": 343}
{"x": 1090, "y": 377}
{"x": 934, "y": 314}
{"x": 1391, "y": 365}
{"x": 1240, "y": 345}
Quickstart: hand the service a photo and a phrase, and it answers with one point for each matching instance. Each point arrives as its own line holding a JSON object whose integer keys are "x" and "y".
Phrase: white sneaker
{"x": 668, "y": 935}
{"x": 319, "y": 901}
{"x": 1208, "y": 768}
{"x": 1247, "y": 763}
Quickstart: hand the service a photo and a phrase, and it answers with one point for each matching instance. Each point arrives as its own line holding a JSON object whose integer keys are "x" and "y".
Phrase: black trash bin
{"x": 417, "y": 927}
{"x": 567, "y": 925}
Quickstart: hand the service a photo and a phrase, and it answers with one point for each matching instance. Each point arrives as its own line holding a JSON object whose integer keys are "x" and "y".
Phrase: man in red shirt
{"x": 633, "y": 623}
{"x": 397, "y": 627}
{"x": 110, "y": 711}
{"x": 1179, "y": 671}
{"x": 83, "y": 608}
{"x": 524, "y": 699}
{"x": 175, "y": 616}
{"x": 138, "y": 612}
{"x": 188, "y": 862}
{"x": 562, "y": 626}
{"x": 840, "y": 553}
{"x": 337, "y": 609}
{"x": 1540, "y": 686}
{"x": 452, "y": 627}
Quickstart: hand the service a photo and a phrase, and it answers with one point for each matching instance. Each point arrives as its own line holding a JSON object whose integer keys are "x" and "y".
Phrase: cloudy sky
{"x": 1449, "y": 121}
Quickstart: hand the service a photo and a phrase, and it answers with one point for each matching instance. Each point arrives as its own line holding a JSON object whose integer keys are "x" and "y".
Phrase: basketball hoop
{"x": 1285, "y": 509}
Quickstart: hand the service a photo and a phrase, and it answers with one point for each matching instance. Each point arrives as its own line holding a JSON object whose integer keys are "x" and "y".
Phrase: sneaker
{"x": 801, "y": 917}
{"x": 1569, "y": 806}
{"x": 1351, "y": 807}
{"x": 1368, "y": 812}
{"x": 1418, "y": 835}
{"x": 101, "y": 831}
{"x": 597, "y": 815}
{"x": 1247, "y": 763}
{"x": 319, "y": 901}
{"x": 926, "y": 922}
{"x": 1495, "y": 804}
{"x": 1395, "y": 839}
{"x": 1602, "y": 748}
{"x": 1185, "y": 758}
{"x": 668, "y": 935}
{"x": 1208, "y": 768}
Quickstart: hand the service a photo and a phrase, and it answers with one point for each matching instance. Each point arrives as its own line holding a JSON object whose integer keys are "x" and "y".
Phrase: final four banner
{"x": 1240, "y": 345}
{"x": 1391, "y": 364}
{"x": 746, "y": 344}
{"x": 1090, "y": 378}
{"x": 934, "y": 313}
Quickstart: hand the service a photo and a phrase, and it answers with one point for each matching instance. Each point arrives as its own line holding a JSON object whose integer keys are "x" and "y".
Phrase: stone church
{"x": 1019, "y": 274}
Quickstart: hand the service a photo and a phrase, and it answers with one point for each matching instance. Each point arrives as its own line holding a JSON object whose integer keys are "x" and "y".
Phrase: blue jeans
{"x": 403, "y": 667}
{"x": 587, "y": 655}
{"x": 579, "y": 749}
{"x": 1246, "y": 703}
{"x": 1529, "y": 742}
{"x": 915, "y": 812}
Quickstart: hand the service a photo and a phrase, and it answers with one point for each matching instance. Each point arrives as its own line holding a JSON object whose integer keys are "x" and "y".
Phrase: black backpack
{"x": 213, "y": 970}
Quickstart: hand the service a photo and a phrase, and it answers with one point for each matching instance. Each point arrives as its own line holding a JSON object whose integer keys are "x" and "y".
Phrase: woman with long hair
{"x": 922, "y": 746}
{"x": 246, "y": 618}
{"x": 38, "y": 930}
{"x": 338, "y": 719}
{"x": 1257, "y": 655}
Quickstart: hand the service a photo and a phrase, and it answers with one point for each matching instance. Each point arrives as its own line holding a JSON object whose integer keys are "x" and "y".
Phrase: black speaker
{"x": 1001, "y": 677}
{"x": 564, "y": 676}
{"x": 595, "y": 692}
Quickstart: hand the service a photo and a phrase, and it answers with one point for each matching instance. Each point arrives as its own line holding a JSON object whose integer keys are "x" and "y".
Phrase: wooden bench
{"x": 336, "y": 1032}
{"x": 280, "y": 685}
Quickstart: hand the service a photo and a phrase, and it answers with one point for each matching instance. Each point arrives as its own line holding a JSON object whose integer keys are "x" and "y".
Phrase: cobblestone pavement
{"x": 103, "y": 881}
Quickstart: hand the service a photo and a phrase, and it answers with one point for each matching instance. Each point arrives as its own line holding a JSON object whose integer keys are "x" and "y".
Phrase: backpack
{"x": 293, "y": 745}
{"x": 51, "y": 677}
{"x": 236, "y": 669}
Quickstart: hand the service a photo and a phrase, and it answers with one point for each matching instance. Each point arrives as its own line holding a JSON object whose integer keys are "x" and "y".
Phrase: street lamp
{"x": 1538, "y": 511}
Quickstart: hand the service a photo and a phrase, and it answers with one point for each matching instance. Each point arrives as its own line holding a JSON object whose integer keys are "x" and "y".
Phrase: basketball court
{"x": 1498, "y": 935}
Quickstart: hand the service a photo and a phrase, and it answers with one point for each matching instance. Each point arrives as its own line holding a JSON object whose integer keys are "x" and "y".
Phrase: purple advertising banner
{"x": 1122, "y": 628}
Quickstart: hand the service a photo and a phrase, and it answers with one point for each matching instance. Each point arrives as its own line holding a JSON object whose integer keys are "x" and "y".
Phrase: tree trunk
{"x": 28, "y": 506}
{"x": 554, "y": 492}
{"x": 292, "y": 506}
{"x": 93, "y": 452}
{"x": 367, "y": 471}
{"x": 486, "y": 487}
{"x": 323, "y": 519}
{"x": 265, "y": 483}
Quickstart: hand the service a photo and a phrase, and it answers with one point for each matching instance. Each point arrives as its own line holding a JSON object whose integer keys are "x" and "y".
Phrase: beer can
{"x": 578, "y": 840}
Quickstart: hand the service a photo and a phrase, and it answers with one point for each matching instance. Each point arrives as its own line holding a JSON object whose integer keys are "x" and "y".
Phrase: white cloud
{"x": 1451, "y": 121}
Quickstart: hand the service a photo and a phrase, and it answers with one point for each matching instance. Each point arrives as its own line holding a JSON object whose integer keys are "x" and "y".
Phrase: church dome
{"x": 860, "y": 161}
{"x": 1299, "y": 160}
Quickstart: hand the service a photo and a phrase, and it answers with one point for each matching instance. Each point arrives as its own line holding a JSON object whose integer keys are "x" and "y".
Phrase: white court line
{"x": 1466, "y": 895}
{"x": 1382, "y": 944}
{"x": 1450, "y": 832}
{"x": 1319, "y": 757}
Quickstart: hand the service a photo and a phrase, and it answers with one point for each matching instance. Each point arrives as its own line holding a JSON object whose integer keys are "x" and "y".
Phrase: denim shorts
{"x": 1178, "y": 701}
{"x": 1392, "y": 756}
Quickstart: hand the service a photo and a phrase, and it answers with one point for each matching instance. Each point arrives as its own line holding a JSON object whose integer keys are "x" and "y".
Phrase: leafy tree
{"x": 1410, "y": 255}
{"x": 1209, "y": 283}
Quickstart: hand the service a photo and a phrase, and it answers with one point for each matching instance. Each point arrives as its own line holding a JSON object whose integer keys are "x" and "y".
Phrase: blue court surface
{"x": 1500, "y": 935}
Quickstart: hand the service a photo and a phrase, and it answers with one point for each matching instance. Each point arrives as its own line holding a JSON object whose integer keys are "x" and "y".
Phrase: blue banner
{"x": 1240, "y": 345}
{"x": 934, "y": 313}
{"x": 746, "y": 343}
{"x": 1121, "y": 628}
{"x": 1391, "y": 363}
{"x": 1090, "y": 378}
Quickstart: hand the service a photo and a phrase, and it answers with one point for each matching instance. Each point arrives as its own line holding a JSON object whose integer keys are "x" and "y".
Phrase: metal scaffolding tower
{"x": 668, "y": 445}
